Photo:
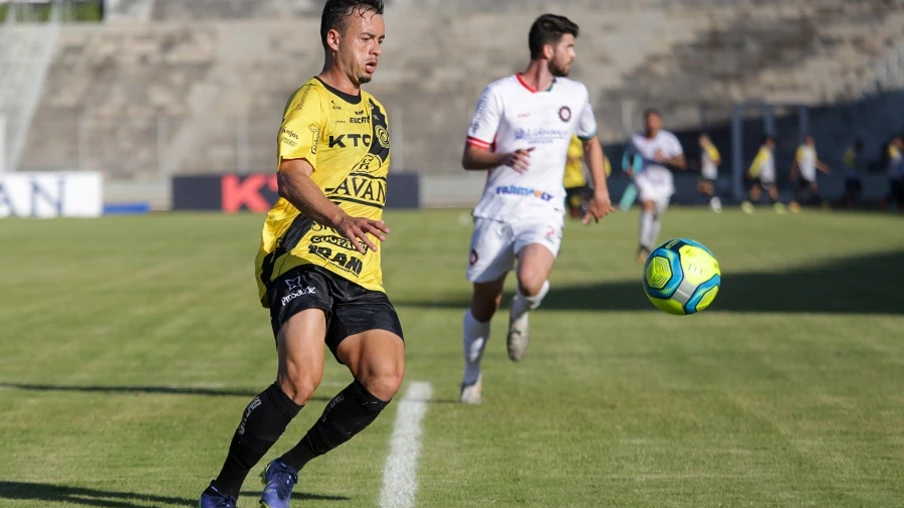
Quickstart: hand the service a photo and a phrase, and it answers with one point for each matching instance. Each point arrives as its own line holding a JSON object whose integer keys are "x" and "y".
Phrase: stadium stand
{"x": 195, "y": 87}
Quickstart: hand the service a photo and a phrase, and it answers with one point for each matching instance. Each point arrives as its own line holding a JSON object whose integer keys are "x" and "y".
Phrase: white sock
{"x": 646, "y": 229}
{"x": 657, "y": 225}
{"x": 523, "y": 304}
{"x": 476, "y": 335}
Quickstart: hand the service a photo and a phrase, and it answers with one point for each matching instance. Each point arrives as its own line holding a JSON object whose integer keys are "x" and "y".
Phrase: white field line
{"x": 400, "y": 473}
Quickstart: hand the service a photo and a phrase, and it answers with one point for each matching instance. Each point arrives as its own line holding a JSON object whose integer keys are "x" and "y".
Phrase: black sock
{"x": 350, "y": 412}
{"x": 263, "y": 421}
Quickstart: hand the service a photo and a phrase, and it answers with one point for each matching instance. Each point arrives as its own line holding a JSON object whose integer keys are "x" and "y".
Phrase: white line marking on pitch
{"x": 400, "y": 473}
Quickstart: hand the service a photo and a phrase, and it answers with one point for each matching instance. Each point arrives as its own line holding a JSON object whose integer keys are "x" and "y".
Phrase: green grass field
{"x": 130, "y": 345}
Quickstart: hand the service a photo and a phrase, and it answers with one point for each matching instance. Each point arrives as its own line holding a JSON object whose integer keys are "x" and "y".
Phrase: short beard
{"x": 557, "y": 71}
{"x": 364, "y": 79}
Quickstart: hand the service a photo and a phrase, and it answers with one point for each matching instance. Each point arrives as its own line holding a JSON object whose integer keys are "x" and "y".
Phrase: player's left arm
{"x": 601, "y": 204}
{"x": 822, "y": 166}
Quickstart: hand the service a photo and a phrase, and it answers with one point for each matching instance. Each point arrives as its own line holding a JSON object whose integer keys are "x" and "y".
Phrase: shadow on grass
{"x": 78, "y": 496}
{"x": 152, "y": 390}
{"x": 869, "y": 284}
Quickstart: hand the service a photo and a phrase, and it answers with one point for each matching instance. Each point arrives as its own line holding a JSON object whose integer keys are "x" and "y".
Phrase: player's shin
{"x": 654, "y": 234}
{"x": 648, "y": 229}
{"x": 264, "y": 420}
{"x": 350, "y": 412}
{"x": 476, "y": 335}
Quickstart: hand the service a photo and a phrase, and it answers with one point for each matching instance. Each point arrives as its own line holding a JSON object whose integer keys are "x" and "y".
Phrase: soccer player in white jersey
{"x": 806, "y": 162}
{"x": 660, "y": 151}
{"x": 520, "y": 133}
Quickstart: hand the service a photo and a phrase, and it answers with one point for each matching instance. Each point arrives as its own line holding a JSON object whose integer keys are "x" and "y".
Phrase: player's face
{"x": 704, "y": 141}
{"x": 653, "y": 122}
{"x": 563, "y": 56}
{"x": 810, "y": 141}
{"x": 360, "y": 46}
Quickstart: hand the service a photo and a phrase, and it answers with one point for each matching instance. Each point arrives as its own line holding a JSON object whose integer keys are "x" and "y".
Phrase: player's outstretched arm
{"x": 296, "y": 186}
{"x": 476, "y": 158}
{"x": 601, "y": 204}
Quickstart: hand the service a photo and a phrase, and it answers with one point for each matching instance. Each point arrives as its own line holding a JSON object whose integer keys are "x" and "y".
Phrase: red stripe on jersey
{"x": 479, "y": 143}
{"x": 524, "y": 84}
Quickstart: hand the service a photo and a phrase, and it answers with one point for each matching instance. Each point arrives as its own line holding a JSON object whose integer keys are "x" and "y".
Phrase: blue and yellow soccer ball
{"x": 681, "y": 277}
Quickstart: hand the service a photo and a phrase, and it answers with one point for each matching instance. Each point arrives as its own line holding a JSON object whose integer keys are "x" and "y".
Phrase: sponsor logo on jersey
{"x": 360, "y": 188}
{"x": 565, "y": 113}
{"x": 341, "y": 260}
{"x": 542, "y": 135}
{"x": 362, "y": 119}
{"x": 523, "y": 191}
{"x": 315, "y": 137}
{"x": 353, "y": 140}
{"x": 338, "y": 241}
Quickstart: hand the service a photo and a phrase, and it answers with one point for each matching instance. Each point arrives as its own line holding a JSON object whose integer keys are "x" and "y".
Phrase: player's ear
{"x": 548, "y": 51}
{"x": 332, "y": 39}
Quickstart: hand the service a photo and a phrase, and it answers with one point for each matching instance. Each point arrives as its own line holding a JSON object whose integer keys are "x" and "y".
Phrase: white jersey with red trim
{"x": 511, "y": 115}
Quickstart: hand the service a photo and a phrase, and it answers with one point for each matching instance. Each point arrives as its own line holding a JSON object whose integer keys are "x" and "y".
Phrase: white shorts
{"x": 658, "y": 194}
{"x": 496, "y": 244}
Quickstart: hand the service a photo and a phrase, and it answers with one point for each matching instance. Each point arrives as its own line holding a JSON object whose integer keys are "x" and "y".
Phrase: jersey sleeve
{"x": 302, "y": 127}
{"x": 675, "y": 147}
{"x": 482, "y": 131}
{"x": 799, "y": 156}
{"x": 713, "y": 153}
{"x": 758, "y": 162}
{"x": 586, "y": 128}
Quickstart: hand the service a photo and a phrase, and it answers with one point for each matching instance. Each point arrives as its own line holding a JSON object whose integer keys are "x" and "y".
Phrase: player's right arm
{"x": 479, "y": 153}
{"x": 299, "y": 137}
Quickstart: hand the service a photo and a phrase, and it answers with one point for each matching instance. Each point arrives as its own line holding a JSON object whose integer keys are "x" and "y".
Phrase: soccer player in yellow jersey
{"x": 762, "y": 176}
{"x": 803, "y": 171}
{"x": 318, "y": 269}
{"x": 577, "y": 192}
{"x": 710, "y": 159}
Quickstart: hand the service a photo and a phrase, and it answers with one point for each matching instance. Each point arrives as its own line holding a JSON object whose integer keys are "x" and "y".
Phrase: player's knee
{"x": 299, "y": 386}
{"x": 649, "y": 206}
{"x": 384, "y": 384}
{"x": 531, "y": 282}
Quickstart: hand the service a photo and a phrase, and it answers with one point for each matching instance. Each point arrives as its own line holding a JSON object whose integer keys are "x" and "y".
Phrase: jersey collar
{"x": 349, "y": 98}
{"x": 530, "y": 88}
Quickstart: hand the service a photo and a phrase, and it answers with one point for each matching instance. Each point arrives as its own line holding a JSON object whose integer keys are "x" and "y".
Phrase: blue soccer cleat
{"x": 279, "y": 480}
{"x": 213, "y": 498}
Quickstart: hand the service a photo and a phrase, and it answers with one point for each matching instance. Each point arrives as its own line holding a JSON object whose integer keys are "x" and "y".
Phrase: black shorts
{"x": 804, "y": 184}
{"x": 853, "y": 185}
{"x": 576, "y": 197}
{"x": 765, "y": 185}
{"x": 350, "y": 309}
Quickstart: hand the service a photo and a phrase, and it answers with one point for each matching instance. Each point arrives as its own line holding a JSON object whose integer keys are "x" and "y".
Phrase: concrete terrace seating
{"x": 216, "y": 82}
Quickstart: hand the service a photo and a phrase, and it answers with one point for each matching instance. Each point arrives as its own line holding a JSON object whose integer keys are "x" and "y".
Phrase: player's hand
{"x": 629, "y": 173}
{"x": 599, "y": 207}
{"x": 519, "y": 160}
{"x": 357, "y": 228}
{"x": 660, "y": 156}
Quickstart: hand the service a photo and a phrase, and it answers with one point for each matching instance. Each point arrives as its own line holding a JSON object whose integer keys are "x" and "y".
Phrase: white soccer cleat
{"x": 518, "y": 338}
{"x": 716, "y": 205}
{"x": 472, "y": 394}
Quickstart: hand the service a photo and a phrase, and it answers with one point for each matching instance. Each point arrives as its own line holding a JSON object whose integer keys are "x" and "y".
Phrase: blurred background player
{"x": 895, "y": 197}
{"x": 319, "y": 295}
{"x": 659, "y": 150}
{"x": 853, "y": 163}
{"x": 762, "y": 177}
{"x": 710, "y": 160}
{"x": 803, "y": 171}
{"x": 577, "y": 192}
{"x": 532, "y": 117}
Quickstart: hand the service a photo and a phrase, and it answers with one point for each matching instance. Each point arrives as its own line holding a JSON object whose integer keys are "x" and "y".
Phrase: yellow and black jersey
{"x": 345, "y": 138}
{"x": 574, "y": 165}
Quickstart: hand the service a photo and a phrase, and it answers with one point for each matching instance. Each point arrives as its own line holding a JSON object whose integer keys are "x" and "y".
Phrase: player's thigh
{"x": 299, "y": 346}
{"x": 537, "y": 243}
{"x": 366, "y": 335}
{"x": 492, "y": 253}
{"x": 300, "y": 302}
{"x": 375, "y": 358}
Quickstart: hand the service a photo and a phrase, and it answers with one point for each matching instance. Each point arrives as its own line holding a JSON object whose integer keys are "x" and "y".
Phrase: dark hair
{"x": 549, "y": 29}
{"x": 336, "y": 12}
{"x": 651, "y": 111}
{"x": 767, "y": 138}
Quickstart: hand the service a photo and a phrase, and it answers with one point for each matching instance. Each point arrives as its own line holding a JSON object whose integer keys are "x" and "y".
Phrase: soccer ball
{"x": 681, "y": 277}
